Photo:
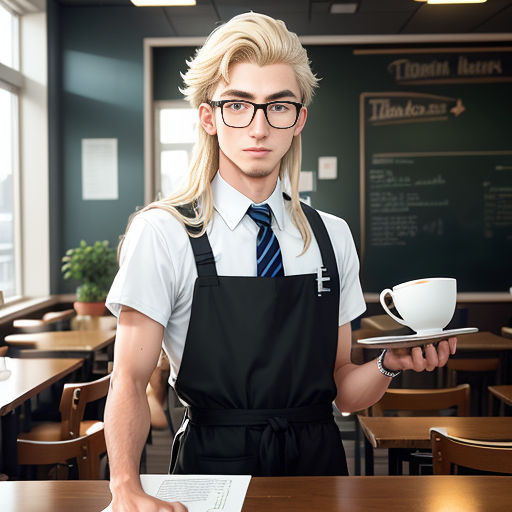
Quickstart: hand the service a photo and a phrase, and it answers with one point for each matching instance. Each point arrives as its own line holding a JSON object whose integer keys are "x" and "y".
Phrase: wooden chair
{"x": 86, "y": 449}
{"x": 483, "y": 370}
{"x": 451, "y": 452}
{"x": 49, "y": 321}
{"x": 427, "y": 401}
{"x": 506, "y": 332}
{"x": 419, "y": 402}
{"x": 74, "y": 399}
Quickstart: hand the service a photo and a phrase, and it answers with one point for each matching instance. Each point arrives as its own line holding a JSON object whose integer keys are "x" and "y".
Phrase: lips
{"x": 257, "y": 151}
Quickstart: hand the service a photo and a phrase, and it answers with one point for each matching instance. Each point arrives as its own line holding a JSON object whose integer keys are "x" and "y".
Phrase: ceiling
{"x": 312, "y": 17}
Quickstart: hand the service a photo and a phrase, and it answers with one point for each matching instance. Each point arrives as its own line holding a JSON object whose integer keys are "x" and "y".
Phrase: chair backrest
{"x": 73, "y": 401}
{"x": 87, "y": 451}
{"x": 487, "y": 364}
{"x": 44, "y": 323}
{"x": 449, "y": 452}
{"x": 426, "y": 400}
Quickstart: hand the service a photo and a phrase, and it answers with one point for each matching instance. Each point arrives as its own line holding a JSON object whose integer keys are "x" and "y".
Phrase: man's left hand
{"x": 417, "y": 359}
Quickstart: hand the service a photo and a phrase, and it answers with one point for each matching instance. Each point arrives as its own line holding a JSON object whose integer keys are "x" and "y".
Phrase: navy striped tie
{"x": 268, "y": 253}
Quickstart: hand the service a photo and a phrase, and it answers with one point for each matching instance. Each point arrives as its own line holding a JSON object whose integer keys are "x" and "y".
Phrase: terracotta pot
{"x": 89, "y": 308}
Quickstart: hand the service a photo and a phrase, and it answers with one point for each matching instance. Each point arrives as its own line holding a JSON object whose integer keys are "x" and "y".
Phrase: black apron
{"x": 257, "y": 373}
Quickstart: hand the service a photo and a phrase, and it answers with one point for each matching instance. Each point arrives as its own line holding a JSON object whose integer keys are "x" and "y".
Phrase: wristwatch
{"x": 383, "y": 369}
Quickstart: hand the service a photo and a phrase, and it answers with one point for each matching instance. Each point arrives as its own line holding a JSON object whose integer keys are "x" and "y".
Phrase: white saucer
{"x": 412, "y": 340}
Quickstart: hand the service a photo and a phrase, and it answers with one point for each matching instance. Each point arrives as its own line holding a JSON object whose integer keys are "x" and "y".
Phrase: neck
{"x": 257, "y": 188}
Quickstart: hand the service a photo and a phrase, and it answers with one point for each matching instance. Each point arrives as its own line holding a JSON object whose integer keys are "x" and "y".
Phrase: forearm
{"x": 127, "y": 423}
{"x": 359, "y": 386}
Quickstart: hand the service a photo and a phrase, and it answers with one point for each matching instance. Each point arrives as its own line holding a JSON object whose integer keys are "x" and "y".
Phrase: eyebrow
{"x": 286, "y": 93}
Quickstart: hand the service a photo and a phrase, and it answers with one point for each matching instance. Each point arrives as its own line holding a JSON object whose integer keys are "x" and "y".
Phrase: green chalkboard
{"x": 436, "y": 171}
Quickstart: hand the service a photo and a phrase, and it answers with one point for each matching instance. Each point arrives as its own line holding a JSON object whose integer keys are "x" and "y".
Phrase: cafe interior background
{"x": 408, "y": 137}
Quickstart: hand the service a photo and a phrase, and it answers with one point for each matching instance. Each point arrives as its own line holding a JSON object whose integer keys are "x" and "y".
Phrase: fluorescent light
{"x": 162, "y": 3}
{"x": 346, "y": 8}
{"x": 439, "y": 2}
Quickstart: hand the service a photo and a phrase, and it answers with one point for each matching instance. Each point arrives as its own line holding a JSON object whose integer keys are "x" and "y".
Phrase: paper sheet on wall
{"x": 99, "y": 169}
{"x": 199, "y": 493}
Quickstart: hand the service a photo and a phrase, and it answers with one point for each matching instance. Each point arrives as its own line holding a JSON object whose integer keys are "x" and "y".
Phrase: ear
{"x": 207, "y": 118}
{"x": 301, "y": 121}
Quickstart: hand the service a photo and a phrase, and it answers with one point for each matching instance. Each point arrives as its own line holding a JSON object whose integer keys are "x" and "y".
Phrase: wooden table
{"x": 414, "y": 432}
{"x": 483, "y": 341}
{"x": 62, "y": 341}
{"x": 81, "y": 343}
{"x": 502, "y": 393}
{"x": 326, "y": 494}
{"x": 28, "y": 378}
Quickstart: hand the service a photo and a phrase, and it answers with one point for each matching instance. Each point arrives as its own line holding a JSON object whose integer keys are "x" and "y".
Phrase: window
{"x": 8, "y": 38}
{"x": 175, "y": 135}
{"x": 9, "y": 239}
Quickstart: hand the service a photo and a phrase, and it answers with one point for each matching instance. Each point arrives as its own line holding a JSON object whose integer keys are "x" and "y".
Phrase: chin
{"x": 258, "y": 172}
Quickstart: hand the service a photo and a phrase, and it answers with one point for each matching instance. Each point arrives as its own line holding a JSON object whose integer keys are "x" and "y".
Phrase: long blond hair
{"x": 248, "y": 37}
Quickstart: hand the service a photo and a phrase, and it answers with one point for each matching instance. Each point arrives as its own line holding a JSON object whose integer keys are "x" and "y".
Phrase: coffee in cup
{"x": 425, "y": 305}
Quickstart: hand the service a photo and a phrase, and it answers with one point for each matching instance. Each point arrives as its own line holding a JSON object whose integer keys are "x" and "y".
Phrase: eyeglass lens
{"x": 238, "y": 114}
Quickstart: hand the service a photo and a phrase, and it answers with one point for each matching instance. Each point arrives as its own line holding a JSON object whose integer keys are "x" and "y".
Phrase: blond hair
{"x": 248, "y": 37}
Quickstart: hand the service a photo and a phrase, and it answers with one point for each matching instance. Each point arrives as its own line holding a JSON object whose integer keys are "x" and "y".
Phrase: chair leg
{"x": 357, "y": 447}
{"x": 368, "y": 458}
{"x": 394, "y": 462}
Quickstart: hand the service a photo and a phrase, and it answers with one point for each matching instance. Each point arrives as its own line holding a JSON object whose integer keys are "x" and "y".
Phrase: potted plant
{"x": 94, "y": 267}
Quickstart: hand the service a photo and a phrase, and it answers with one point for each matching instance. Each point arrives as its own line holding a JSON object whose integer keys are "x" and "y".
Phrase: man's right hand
{"x": 142, "y": 502}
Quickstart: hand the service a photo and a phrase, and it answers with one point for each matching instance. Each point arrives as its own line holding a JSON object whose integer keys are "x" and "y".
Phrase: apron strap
{"x": 324, "y": 244}
{"x": 203, "y": 254}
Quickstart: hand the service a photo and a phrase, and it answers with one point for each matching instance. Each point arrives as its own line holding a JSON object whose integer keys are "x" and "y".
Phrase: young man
{"x": 228, "y": 273}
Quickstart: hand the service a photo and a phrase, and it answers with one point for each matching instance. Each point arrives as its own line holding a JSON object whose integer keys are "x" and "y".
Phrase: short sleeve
{"x": 146, "y": 280}
{"x": 352, "y": 303}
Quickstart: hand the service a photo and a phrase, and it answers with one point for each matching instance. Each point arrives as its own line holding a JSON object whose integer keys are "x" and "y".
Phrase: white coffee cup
{"x": 425, "y": 305}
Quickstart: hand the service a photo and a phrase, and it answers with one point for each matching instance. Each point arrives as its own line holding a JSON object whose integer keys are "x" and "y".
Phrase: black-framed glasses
{"x": 240, "y": 113}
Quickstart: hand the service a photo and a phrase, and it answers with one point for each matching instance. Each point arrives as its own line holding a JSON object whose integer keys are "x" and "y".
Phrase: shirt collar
{"x": 232, "y": 205}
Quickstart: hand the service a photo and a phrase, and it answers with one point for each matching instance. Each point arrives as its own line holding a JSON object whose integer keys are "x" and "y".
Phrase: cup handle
{"x": 383, "y": 294}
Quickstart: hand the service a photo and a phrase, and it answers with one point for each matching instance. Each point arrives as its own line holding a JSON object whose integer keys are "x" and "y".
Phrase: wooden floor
{"x": 159, "y": 452}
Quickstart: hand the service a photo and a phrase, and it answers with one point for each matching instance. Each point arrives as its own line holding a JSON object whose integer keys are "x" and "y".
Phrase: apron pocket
{"x": 245, "y": 465}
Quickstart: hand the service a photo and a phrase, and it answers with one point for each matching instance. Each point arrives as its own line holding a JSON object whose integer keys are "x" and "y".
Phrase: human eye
{"x": 237, "y": 106}
{"x": 279, "y": 107}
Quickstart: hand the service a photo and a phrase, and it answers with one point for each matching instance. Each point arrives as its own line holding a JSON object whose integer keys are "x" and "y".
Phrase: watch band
{"x": 383, "y": 369}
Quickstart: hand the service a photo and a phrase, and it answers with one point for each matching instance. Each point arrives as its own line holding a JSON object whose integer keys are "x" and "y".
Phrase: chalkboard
{"x": 436, "y": 188}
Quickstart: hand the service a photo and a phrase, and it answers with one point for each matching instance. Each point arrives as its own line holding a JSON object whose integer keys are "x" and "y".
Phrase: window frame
{"x": 159, "y": 147}
{"x": 12, "y": 81}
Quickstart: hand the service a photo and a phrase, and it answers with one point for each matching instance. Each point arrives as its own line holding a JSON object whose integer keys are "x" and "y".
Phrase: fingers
{"x": 431, "y": 358}
{"x": 443, "y": 352}
{"x": 418, "y": 362}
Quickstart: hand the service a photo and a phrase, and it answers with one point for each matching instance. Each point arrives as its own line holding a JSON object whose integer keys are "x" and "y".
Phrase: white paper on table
{"x": 199, "y": 493}
{"x": 99, "y": 169}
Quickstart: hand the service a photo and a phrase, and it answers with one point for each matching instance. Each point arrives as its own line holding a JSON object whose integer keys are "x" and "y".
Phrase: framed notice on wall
{"x": 99, "y": 169}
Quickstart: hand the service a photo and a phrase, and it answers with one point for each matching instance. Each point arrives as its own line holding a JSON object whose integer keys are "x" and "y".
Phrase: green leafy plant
{"x": 93, "y": 266}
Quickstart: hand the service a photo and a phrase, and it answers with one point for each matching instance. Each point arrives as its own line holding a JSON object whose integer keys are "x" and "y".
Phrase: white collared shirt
{"x": 158, "y": 271}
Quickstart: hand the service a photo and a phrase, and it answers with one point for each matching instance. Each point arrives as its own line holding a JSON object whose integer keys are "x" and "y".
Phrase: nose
{"x": 259, "y": 126}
